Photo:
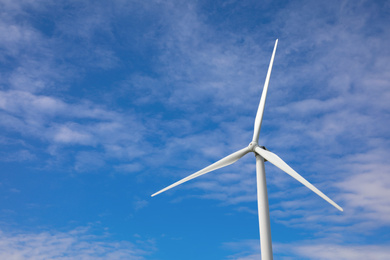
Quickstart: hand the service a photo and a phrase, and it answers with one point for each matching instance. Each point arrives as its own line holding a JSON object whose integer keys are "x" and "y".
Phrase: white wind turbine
{"x": 261, "y": 154}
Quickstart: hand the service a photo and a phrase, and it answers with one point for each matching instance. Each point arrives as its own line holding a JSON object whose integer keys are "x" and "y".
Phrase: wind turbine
{"x": 262, "y": 154}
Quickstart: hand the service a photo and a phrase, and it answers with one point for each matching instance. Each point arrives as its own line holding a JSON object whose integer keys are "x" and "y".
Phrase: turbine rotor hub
{"x": 252, "y": 146}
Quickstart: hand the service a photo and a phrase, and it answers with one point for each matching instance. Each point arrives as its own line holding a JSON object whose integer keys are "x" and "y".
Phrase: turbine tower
{"x": 262, "y": 154}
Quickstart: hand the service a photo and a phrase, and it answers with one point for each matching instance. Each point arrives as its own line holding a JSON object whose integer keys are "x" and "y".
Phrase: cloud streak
{"x": 60, "y": 124}
{"x": 79, "y": 243}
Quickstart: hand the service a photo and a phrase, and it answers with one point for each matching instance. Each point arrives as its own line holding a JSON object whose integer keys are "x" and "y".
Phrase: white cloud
{"x": 306, "y": 250}
{"x": 66, "y": 135}
{"x": 89, "y": 161}
{"x": 367, "y": 189}
{"x": 21, "y": 102}
{"x": 327, "y": 251}
{"x": 310, "y": 107}
{"x": 130, "y": 167}
{"x": 58, "y": 123}
{"x": 17, "y": 156}
{"x": 247, "y": 249}
{"x": 369, "y": 192}
{"x": 75, "y": 244}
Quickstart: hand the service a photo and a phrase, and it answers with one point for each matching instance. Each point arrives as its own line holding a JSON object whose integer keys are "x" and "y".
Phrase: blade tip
{"x": 338, "y": 207}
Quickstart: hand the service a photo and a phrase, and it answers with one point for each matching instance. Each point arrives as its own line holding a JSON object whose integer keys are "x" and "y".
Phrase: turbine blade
{"x": 275, "y": 160}
{"x": 260, "y": 109}
{"x": 232, "y": 158}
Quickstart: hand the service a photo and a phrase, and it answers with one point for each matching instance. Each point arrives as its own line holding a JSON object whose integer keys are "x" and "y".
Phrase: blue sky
{"x": 103, "y": 104}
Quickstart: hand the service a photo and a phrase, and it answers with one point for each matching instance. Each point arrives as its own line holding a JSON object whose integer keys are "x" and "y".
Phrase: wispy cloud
{"x": 324, "y": 251}
{"x": 246, "y": 250}
{"x": 305, "y": 250}
{"x": 79, "y": 243}
{"x": 60, "y": 124}
{"x": 366, "y": 191}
